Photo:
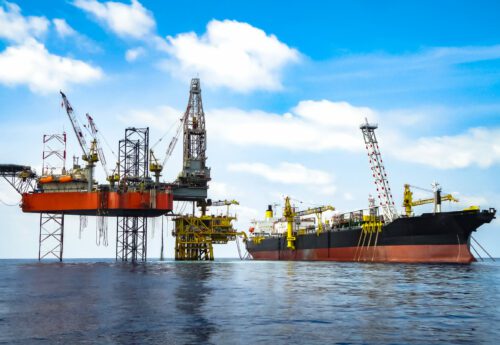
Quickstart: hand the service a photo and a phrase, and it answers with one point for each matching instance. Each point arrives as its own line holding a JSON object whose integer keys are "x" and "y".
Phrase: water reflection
{"x": 237, "y": 302}
{"x": 190, "y": 298}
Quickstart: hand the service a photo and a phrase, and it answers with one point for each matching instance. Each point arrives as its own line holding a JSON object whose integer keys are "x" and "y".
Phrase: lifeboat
{"x": 65, "y": 178}
{"x": 46, "y": 179}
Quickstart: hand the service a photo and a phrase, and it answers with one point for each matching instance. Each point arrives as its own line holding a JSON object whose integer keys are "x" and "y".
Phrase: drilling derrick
{"x": 378, "y": 171}
{"x": 192, "y": 183}
{"x": 196, "y": 235}
{"x": 131, "y": 230}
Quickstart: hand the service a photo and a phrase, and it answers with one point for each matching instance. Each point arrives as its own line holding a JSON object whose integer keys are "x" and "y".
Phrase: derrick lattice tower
{"x": 195, "y": 174}
{"x": 378, "y": 172}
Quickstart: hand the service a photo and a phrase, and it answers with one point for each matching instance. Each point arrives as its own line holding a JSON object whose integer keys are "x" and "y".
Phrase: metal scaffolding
{"x": 378, "y": 171}
{"x": 131, "y": 239}
{"x": 20, "y": 177}
{"x": 52, "y": 225}
{"x": 133, "y": 156}
{"x": 192, "y": 182}
{"x": 131, "y": 231}
{"x": 195, "y": 236}
{"x": 51, "y": 236}
{"x": 54, "y": 154}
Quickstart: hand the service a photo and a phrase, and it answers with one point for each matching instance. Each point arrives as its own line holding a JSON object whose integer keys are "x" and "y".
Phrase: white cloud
{"x": 477, "y": 146}
{"x": 134, "y": 53}
{"x": 244, "y": 215}
{"x": 82, "y": 42}
{"x": 63, "y": 29}
{"x": 311, "y": 126}
{"x": 127, "y": 21}
{"x": 433, "y": 60}
{"x": 287, "y": 173}
{"x": 333, "y": 114}
{"x": 162, "y": 118}
{"x": 348, "y": 196}
{"x": 8, "y": 196}
{"x": 17, "y": 28}
{"x": 318, "y": 126}
{"x": 31, "y": 64}
{"x": 231, "y": 54}
{"x": 218, "y": 190}
{"x": 470, "y": 200}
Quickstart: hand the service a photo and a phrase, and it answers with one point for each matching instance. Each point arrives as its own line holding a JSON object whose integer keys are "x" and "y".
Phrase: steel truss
{"x": 133, "y": 156}
{"x": 378, "y": 171}
{"x": 54, "y": 153}
{"x": 51, "y": 236}
{"x": 131, "y": 239}
{"x": 195, "y": 236}
{"x": 131, "y": 232}
{"x": 22, "y": 178}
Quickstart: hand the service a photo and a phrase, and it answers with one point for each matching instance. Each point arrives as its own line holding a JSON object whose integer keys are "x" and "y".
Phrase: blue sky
{"x": 284, "y": 90}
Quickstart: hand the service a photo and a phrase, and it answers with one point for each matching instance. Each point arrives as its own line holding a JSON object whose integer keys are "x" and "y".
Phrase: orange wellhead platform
{"x": 104, "y": 203}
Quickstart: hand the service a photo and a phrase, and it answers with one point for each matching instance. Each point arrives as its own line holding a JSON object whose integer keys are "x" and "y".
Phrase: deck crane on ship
{"x": 376, "y": 234}
{"x": 408, "y": 201}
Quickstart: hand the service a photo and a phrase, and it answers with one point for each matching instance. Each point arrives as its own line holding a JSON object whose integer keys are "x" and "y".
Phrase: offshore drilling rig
{"x": 131, "y": 195}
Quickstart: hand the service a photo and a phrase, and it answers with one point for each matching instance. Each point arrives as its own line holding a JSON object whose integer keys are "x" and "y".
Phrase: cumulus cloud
{"x": 63, "y": 29}
{"x": 127, "y": 21}
{"x": 31, "y": 64}
{"x": 163, "y": 118}
{"x": 310, "y": 126}
{"x": 287, "y": 173}
{"x": 477, "y": 146}
{"x": 218, "y": 190}
{"x": 230, "y": 54}
{"x": 318, "y": 126}
{"x": 134, "y": 53}
{"x": 470, "y": 200}
{"x": 17, "y": 28}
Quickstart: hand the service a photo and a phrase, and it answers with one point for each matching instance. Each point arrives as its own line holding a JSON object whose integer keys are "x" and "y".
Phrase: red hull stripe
{"x": 403, "y": 253}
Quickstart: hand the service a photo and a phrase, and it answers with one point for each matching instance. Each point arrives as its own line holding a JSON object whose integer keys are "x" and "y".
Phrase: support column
{"x": 131, "y": 239}
{"x": 51, "y": 236}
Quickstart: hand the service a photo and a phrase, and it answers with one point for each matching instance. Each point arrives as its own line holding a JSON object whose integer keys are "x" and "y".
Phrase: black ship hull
{"x": 441, "y": 237}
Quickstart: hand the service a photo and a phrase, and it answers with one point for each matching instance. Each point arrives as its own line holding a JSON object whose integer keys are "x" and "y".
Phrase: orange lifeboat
{"x": 46, "y": 179}
{"x": 65, "y": 179}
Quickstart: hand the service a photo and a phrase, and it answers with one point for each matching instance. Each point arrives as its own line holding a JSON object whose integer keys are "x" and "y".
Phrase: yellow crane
{"x": 154, "y": 166}
{"x": 226, "y": 203}
{"x": 290, "y": 215}
{"x": 408, "y": 201}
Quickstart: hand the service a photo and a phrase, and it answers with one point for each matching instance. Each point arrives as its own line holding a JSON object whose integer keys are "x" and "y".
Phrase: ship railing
{"x": 353, "y": 219}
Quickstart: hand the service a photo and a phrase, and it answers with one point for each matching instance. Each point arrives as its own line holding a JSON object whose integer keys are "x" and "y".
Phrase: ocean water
{"x": 248, "y": 302}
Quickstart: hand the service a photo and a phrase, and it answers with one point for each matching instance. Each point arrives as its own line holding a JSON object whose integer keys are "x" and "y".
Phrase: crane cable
{"x": 163, "y": 136}
{"x": 422, "y": 189}
{"x": 305, "y": 202}
{"x": 10, "y": 205}
{"x": 245, "y": 256}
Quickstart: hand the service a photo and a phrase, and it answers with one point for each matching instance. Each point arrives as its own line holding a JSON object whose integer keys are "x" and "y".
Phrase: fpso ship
{"x": 443, "y": 237}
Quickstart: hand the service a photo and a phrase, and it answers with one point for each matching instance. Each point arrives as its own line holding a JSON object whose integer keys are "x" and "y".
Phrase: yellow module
{"x": 195, "y": 236}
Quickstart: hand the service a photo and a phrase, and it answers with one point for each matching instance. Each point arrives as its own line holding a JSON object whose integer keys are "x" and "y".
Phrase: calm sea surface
{"x": 248, "y": 302}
